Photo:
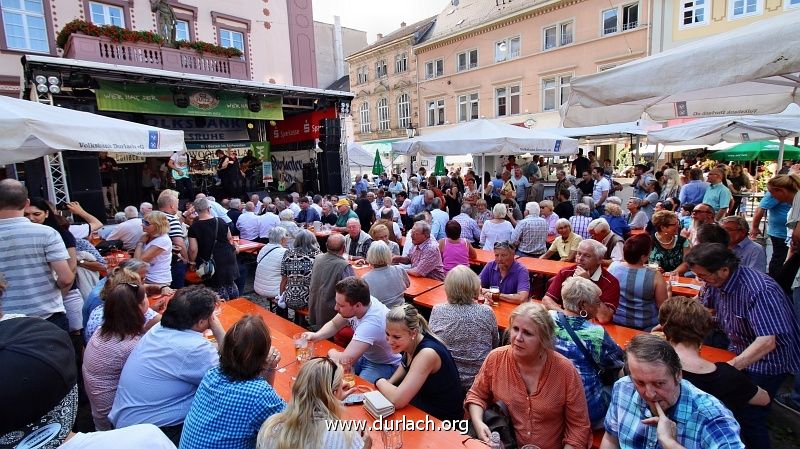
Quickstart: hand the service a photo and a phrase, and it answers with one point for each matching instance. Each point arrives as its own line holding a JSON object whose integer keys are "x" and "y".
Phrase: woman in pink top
{"x": 109, "y": 347}
{"x": 455, "y": 250}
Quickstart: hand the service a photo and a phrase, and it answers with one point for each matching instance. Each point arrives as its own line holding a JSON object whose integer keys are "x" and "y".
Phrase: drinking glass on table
{"x": 303, "y": 348}
{"x": 392, "y": 438}
{"x": 495, "y": 291}
{"x": 349, "y": 376}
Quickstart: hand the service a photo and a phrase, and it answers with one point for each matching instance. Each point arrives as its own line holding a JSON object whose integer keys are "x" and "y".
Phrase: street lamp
{"x": 411, "y": 131}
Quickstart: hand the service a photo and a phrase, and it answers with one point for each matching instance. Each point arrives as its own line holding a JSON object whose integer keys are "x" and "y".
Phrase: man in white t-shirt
{"x": 601, "y": 188}
{"x": 129, "y": 231}
{"x": 370, "y": 353}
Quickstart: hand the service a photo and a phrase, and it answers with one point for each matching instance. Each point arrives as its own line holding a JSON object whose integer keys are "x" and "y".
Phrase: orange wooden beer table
{"x": 418, "y": 285}
{"x": 544, "y": 266}
{"x": 249, "y": 246}
{"x": 281, "y": 331}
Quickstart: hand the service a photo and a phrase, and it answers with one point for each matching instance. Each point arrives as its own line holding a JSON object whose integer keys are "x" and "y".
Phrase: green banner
{"x": 154, "y": 99}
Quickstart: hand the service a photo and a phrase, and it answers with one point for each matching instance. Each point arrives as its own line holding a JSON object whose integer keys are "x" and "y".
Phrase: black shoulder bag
{"x": 607, "y": 376}
{"x": 498, "y": 419}
{"x": 207, "y": 269}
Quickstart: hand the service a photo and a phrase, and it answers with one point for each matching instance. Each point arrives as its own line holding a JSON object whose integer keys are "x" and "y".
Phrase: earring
{"x": 583, "y": 313}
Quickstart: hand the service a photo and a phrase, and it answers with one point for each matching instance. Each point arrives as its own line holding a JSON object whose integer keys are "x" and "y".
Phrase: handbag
{"x": 607, "y": 376}
{"x": 498, "y": 419}
{"x": 207, "y": 269}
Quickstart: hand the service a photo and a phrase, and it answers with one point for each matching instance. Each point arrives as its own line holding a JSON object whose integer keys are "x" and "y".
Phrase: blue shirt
{"x": 417, "y": 205}
{"x": 469, "y": 228}
{"x": 751, "y": 254}
{"x": 160, "y": 377}
{"x": 749, "y": 305}
{"x": 693, "y": 192}
{"x": 91, "y": 302}
{"x": 619, "y": 225}
{"x": 520, "y": 185}
{"x": 776, "y": 215}
{"x": 702, "y": 421}
{"x": 228, "y": 414}
{"x": 717, "y": 196}
{"x": 361, "y": 186}
{"x": 497, "y": 186}
{"x": 309, "y": 215}
{"x": 439, "y": 219}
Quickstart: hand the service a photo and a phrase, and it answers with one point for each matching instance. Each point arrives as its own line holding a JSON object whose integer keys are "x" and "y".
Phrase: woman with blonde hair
{"x": 541, "y": 388}
{"x": 427, "y": 377}
{"x": 672, "y": 188}
{"x": 498, "y": 229}
{"x": 467, "y": 328}
{"x": 380, "y": 233}
{"x": 317, "y": 396}
{"x": 155, "y": 248}
{"x": 617, "y": 223}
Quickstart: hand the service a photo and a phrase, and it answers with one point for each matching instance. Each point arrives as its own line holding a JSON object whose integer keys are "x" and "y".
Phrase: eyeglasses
{"x": 701, "y": 211}
{"x": 134, "y": 287}
{"x": 503, "y": 244}
{"x": 334, "y": 367}
{"x": 145, "y": 223}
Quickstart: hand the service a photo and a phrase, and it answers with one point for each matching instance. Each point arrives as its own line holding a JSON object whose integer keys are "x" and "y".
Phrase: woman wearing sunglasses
{"x": 316, "y": 400}
{"x": 155, "y": 248}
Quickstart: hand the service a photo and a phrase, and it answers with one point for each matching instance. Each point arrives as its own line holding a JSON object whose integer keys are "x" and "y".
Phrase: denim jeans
{"x": 752, "y": 418}
{"x": 371, "y": 371}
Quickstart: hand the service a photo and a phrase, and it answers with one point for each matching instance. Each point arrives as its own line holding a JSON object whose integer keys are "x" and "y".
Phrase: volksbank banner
{"x": 153, "y": 99}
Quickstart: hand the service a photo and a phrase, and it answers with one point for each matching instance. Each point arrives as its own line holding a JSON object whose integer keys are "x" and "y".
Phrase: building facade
{"x": 513, "y": 61}
{"x": 335, "y": 43}
{"x": 676, "y": 22}
{"x": 268, "y": 34}
{"x": 384, "y": 78}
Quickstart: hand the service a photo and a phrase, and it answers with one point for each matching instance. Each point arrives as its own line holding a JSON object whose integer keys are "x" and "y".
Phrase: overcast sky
{"x": 376, "y": 16}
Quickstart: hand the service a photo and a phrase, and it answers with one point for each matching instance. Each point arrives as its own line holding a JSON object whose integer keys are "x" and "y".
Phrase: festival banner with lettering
{"x": 298, "y": 128}
{"x": 156, "y": 99}
{"x": 202, "y": 129}
{"x": 289, "y": 165}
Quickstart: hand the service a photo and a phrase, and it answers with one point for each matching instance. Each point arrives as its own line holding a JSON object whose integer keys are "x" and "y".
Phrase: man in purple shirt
{"x": 511, "y": 278}
{"x": 424, "y": 257}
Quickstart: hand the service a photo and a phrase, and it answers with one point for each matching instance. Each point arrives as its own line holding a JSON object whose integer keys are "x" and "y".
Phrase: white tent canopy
{"x": 712, "y": 130}
{"x": 486, "y": 137}
{"x": 29, "y": 130}
{"x": 635, "y": 128}
{"x": 754, "y": 69}
{"x": 357, "y": 155}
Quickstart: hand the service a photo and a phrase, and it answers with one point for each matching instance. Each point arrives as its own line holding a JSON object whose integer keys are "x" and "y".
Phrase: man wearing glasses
{"x": 717, "y": 195}
{"x": 701, "y": 214}
{"x": 756, "y": 315}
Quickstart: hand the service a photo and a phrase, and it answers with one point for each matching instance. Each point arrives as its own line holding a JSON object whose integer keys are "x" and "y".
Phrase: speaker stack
{"x": 330, "y": 170}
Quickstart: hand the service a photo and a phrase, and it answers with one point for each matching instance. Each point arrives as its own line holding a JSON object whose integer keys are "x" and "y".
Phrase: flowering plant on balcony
{"x": 118, "y": 34}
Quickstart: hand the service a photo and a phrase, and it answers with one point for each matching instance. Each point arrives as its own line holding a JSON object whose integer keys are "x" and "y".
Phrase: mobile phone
{"x": 354, "y": 399}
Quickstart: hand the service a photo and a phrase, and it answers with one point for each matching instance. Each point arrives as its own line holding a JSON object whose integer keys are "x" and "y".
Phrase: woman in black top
{"x": 427, "y": 377}
{"x": 209, "y": 233}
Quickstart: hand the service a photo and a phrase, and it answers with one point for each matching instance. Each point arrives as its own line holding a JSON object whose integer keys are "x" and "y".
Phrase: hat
{"x": 39, "y": 376}
{"x": 343, "y": 202}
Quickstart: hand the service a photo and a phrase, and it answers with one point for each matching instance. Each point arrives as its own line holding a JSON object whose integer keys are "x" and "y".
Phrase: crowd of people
{"x": 151, "y": 371}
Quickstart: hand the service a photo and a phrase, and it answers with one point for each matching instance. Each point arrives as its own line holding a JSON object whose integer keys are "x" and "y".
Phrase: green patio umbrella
{"x": 439, "y": 168}
{"x": 377, "y": 165}
{"x": 764, "y": 150}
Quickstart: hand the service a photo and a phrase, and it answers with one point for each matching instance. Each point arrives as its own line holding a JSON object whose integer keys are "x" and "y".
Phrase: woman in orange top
{"x": 541, "y": 388}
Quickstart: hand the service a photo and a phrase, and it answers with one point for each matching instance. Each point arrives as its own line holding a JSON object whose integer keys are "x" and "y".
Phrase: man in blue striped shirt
{"x": 757, "y": 316}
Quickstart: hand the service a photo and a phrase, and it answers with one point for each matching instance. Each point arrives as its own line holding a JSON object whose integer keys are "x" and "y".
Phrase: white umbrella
{"x": 358, "y": 155}
{"x": 712, "y": 130}
{"x": 486, "y": 137}
{"x": 29, "y": 130}
{"x": 754, "y": 69}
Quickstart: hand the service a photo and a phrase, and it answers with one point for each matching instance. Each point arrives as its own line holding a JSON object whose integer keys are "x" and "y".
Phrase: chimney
{"x": 380, "y": 36}
{"x": 402, "y": 24}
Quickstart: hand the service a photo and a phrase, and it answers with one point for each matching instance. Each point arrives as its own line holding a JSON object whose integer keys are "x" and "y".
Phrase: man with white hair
{"x": 216, "y": 209}
{"x": 356, "y": 241}
{"x": 424, "y": 257}
{"x": 130, "y": 231}
{"x": 469, "y": 227}
{"x": 256, "y": 200}
{"x": 530, "y": 234}
{"x": 588, "y": 259}
{"x": 600, "y": 230}
{"x": 291, "y": 203}
{"x": 234, "y": 211}
{"x": 145, "y": 208}
{"x": 247, "y": 224}
{"x": 266, "y": 222}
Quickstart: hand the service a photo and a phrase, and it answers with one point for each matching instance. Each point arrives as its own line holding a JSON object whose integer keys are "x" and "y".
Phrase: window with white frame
{"x": 507, "y": 100}
{"x": 24, "y": 25}
{"x": 182, "y": 31}
{"x": 555, "y": 91}
{"x": 694, "y": 12}
{"x": 363, "y": 116}
{"x": 361, "y": 74}
{"x": 630, "y": 16}
{"x": 103, "y": 14}
{"x": 401, "y": 63}
{"x": 744, "y": 8}
{"x": 403, "y": 111}
{"x": 383, "y": 115}
{"x": 434, "y": 68}
{"x": 230, "y": 38}
{"x": 467, "y": 60}
{"x": 468, "y": 107}
{"x": 380, "y": 68}
{"x": 610, "y": 19}
{"x": 507, "y": 49}
{"x": 436, "y": 112}
{"x": 558, "y": 35}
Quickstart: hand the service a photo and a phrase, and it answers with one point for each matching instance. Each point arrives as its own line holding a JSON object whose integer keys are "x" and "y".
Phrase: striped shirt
{"x": 637, "y": 301}
{"x": 531, "y": 235}
{"x": 749, "y": 305}
{"x": 469, "y": 228}
{"x": 580, "y": 225}
{"x": 701, "y": 419}
{"x": 28, "y": 249}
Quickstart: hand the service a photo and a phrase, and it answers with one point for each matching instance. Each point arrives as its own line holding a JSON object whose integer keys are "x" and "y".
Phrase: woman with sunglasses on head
{"x": 427, "y": 377}
{"x": 317, "y": 396}
{"x": 236, "y": 397}
{"x": 155, "y": 248}
{"x": 110, "y": 345}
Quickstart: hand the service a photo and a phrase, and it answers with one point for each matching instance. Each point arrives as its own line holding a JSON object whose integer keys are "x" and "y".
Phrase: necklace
{"x": 663, "y": 243}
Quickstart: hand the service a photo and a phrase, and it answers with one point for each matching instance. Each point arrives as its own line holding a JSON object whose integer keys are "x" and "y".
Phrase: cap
{"x": 39, "y": 376}
{"x": 343, "y": 202}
